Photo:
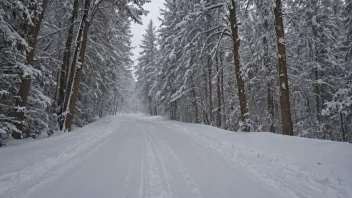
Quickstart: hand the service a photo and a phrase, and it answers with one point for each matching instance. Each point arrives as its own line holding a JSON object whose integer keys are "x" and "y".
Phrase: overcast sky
{"x": 138, "y": 30}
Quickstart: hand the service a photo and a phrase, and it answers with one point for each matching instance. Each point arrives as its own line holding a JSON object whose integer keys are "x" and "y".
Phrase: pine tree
{"x": 48, "y": 41}
{"x": 146, "y": 68}
{"x": 79, "y": 53}
{"x": 22, "y": 21}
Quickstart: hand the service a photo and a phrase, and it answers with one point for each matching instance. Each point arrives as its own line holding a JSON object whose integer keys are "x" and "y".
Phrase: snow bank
{"x": 293, "y": 164}
{"x": 25, "y": 164}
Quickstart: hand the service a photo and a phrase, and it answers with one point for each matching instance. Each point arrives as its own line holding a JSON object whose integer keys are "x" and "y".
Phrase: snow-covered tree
{"x": 43, "y": 45}
{"x": 20, "y": 26}
{"x": 283, "y": 82}
{"x": 339, "y": 108}
{"x": 146, "y": 69}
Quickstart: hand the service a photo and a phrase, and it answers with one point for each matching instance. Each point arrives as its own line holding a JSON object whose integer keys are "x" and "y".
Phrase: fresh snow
{"x": 140, "y": 156}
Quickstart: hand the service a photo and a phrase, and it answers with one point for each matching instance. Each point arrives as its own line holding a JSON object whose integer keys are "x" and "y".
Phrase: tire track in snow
{"x": 188, "y": 179}
{"x": 127, "y": 179}
{"x": 222, "y": 164}
{"x": 141, "y": 184}
{"x": 168, "y": 152}
{"x": 143, "y": 189}
{"x": 26, "y": 180}
{"x": 159, "y": 185}
{"x": 155, "y": 185}
{"x": 161, "y": 157}
{"x": 44, "y": 175}
{"x": 225, "y": 164}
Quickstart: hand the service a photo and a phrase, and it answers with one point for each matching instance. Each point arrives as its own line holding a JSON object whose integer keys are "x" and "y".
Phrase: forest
{"x": 64, "y": 63}
{"x": 282, "y": 66}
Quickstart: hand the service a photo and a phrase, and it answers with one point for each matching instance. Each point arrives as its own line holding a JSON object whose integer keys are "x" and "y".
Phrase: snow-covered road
{"x": 139, "y": 156}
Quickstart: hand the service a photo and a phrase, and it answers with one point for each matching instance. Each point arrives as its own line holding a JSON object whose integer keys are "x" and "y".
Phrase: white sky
{"x": 139, "y": 30}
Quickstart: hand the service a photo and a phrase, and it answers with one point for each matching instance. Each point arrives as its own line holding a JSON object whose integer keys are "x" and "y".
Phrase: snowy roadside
{"x": 25, "y": 164}
{"x": 298, "y": 166}
{"x": 154, "y": 157}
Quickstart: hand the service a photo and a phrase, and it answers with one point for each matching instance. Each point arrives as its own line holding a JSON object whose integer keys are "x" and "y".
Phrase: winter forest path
{"x": 138, "y": 157}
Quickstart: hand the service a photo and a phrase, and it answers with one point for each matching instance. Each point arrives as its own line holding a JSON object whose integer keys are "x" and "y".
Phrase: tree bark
{"x": 342, "y": 128}
{"x": 239, "y": 77}
{"x": 76, "y": 68}
{"x": 150, "y": 105}
{"x": 194, "y": 95}
{"x": 271, "y": 108}
{"x": 318, "y": 96}
{"x": 270, "y": 83}
{"x": 174, "y": 110}
{"x": 64, "y": 71}
{"x": 282, "y": 67}
{"x": 155, "y": 106}
{"x": 205, "y": 112}
{"x": 223, "y": 97}
{"x": 210, "y": 89}
{"x": 314, "y": 55}
{"x": 218, "y": 94}
{"x": 32, "y": 34}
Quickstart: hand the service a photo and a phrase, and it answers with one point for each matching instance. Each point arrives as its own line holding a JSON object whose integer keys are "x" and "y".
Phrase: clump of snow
{"x": 2, "y": 131}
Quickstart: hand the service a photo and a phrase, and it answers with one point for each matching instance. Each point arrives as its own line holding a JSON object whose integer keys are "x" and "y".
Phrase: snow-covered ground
{"x": 139, "y": 156}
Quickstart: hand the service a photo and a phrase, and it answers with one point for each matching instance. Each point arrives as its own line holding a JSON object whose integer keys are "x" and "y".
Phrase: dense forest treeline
{"x": 61, "y": 60}
{"x": 242, "y": 65}
{"x": 283, "y": 66}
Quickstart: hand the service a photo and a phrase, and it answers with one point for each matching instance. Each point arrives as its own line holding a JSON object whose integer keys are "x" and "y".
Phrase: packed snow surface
{"x": 140, "y": 156}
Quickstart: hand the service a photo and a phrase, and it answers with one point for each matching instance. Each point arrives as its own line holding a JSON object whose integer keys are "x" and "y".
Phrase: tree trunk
{"x": 271, "y": 108}
{"x": 32, "y": 34}
{"x": 282, "y": 67}
{"x": 270, "y": 95}
{"x": 314, "y": 55}
{"x": 64, "y": 71}
{"x": 317, "y": 90}
{"x": 223, "y": 97}
{"x": 173, "y": 110}
{"x": 76, "y": 68}
{"x": 194, "y": 95}
{"x": 239, "y": 77}
{"x": 210, "y": 90}
{"x": 342, "y": 129}
{"x": 150, "y": 105}
{"x": 218, "y": 94}
{"x": 206, "y": 113}
{"x": 156, "y": 107}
